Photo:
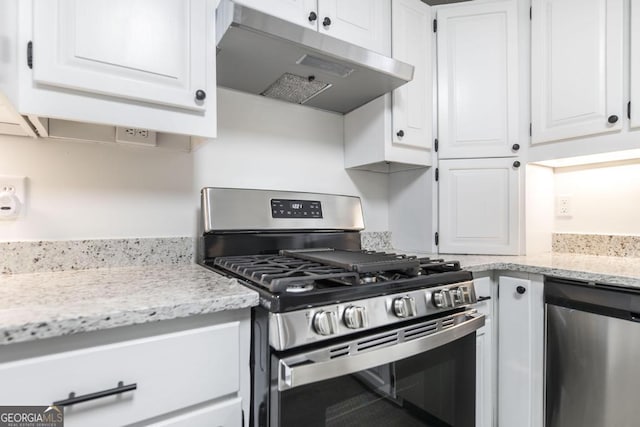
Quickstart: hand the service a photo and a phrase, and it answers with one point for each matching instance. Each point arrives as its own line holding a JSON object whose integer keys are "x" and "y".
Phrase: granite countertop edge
{"x": 620, "y": 271}
{"x": 130, "y": 296}
{"x": 104, "y": 298}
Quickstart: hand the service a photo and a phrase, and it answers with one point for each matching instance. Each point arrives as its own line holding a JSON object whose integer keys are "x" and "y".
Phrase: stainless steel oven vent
{"x": 293, "y": 88}
{"x": 331, "y": 67}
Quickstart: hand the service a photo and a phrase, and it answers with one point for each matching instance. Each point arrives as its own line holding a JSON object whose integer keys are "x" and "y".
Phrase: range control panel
{"x": 285, "y": 208}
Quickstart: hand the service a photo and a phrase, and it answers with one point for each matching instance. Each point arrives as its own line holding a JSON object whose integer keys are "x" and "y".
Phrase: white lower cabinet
{"x": 196, "y": 376}
{"x": 520, "y": 350}
{"x": 485, "y": 354}
{"x": 221, "y": 414}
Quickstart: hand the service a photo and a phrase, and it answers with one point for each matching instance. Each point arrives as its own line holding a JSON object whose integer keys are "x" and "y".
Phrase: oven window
{"x": 436, "y": 388}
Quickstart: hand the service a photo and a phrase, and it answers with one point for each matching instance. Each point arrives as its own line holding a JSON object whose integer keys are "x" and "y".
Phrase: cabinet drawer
{"x": 171, "y": 371}
{"x": 224, "y": 414}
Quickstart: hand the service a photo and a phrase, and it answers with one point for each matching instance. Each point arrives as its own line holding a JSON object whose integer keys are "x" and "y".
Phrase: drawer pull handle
{"x": 73, "y": 399}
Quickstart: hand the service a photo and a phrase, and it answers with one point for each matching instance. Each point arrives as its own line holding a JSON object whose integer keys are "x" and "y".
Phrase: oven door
{"x": 421, "y": 374}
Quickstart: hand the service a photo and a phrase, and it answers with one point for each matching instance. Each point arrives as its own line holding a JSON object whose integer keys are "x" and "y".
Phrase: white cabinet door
{"x": 148, "y": 50}
{"x": 520, "y": 352}
{"x": 635, "y": 64}
{"x": 365, "y": 23}
{"x": 412, "y": 102}
{"x": 296, "y": 11}
{"x": 577, "y": 60}
{"x": 484, "y": 356}
{"x": 477, "y": 47}
{"x": 224, "y": 414}
{"x": 479, "y": 206}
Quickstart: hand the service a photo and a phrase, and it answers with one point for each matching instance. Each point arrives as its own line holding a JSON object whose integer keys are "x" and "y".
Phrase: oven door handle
{"x": 307, "y": 373}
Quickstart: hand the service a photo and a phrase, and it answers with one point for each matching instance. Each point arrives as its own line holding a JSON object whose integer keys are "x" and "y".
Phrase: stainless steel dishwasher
{"x": 592, "y": 355}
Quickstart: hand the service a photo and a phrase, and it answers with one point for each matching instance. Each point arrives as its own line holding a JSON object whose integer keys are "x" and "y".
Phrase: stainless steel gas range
{"x": 343, "y": 336}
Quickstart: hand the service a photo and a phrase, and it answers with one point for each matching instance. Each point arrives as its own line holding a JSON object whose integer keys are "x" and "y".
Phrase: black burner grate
{"x": 281, "y": 273}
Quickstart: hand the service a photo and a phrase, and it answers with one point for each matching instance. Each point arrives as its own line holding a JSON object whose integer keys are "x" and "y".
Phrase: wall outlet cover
{"x": 563, "y": 206}
{"x": 136, "y": 136}
{"x": 12, "y": 196}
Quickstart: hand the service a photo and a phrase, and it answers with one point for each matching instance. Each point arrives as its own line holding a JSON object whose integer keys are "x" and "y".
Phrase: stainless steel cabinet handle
{"x": 307, "y": 373}
{"x": 73, "y": 399}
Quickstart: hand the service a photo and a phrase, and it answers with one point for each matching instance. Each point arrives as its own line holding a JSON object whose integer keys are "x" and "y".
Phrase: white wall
{"x": 605, "y": 199}
{"x": 268, "y": 144}
{"x": 82, "y": 190}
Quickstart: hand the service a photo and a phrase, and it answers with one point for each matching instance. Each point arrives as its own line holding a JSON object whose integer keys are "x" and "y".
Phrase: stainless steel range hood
{"x": 261, "y": 54}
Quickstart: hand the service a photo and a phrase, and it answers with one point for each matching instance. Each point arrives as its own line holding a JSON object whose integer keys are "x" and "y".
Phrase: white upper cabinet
{"x": 635, "y": 64}
{"x": 146, "y": 50}
{"x": 412, "y": 113}
{"x": 577, "y": 68}
{"x": 477, "y": 48}
{"x": 366, "y": 23}
{"x": 301, "y": 12}
{"x": 479, "y": 206}
{"x": 394, "y": 132}
{"x": 146, "y": 64}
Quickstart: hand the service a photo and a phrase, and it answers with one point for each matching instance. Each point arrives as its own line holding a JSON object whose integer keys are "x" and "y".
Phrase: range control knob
{"x": 325, "y": 323}
{"x": 456, "y": 296}
{"x": 405, "y": 307}
{"x": 440, "y": 298}
{"x": 355, "y": 317}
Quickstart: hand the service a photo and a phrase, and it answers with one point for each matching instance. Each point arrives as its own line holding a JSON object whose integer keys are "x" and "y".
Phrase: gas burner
{"x": 368, "y": 279}
{"x": 296, "y": 288}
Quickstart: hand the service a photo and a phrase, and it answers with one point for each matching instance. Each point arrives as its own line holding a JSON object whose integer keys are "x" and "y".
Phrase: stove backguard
{"x": 234, "y": 244}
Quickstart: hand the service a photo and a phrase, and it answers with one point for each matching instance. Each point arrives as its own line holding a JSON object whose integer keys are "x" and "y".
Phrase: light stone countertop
{"x": 50, "y": 304}
{"x": 622, "y": 271}
{"x": 45, "y": 305}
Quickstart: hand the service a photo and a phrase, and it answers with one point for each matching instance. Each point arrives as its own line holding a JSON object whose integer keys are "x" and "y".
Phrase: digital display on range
{"x": 283, "y": 208}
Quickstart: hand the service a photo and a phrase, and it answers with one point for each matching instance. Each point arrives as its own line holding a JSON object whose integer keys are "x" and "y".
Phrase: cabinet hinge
{"x": 530, "y": 129}
{"x": 629, "y": 110}
{"x": 437, "y": 174}
{"x": 435, "y": 144}
{"x": 435, "y": 25}
{"x": 530, "y": 13}
{"x": 436, "y": 238}
{"x": 30, "y": 54}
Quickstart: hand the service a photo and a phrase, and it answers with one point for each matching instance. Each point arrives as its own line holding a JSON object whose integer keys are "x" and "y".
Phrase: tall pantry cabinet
{"x": 479, "y": 128}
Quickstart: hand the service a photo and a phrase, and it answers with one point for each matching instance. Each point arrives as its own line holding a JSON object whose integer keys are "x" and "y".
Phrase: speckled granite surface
{"x": 32, "y": 257}
{"x": 376, "y": 240}
{"x": 596, "y": 244}
{"x": 45, "y": 305}
{"x": 613, "y": 270}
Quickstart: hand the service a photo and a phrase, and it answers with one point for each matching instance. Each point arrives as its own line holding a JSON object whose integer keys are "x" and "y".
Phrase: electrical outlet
{"x": 12, "y": 197}
{"x": 563, "y": 206}
{"x": 136, "y": 136}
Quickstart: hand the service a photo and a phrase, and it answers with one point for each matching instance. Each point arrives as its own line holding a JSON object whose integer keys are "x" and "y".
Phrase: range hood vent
{"x": 264, "y": 55}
